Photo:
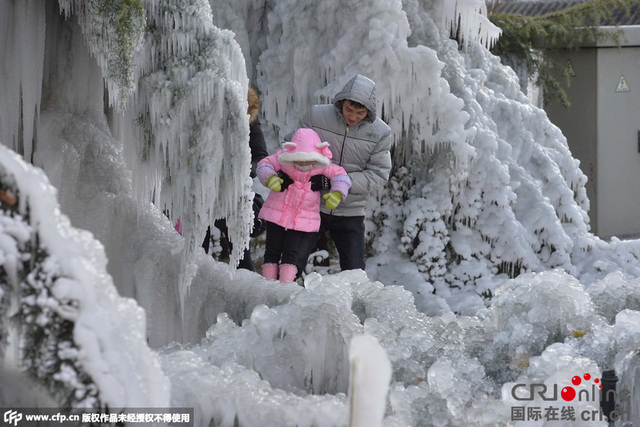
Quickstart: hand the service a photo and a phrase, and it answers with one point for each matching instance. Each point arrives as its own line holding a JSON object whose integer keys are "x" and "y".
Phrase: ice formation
{"x": 484, "y": 274}
{"x": 188, "y": 140}
{"x": 85, "y": 342}
{"x": 23, "y": 41}
{"x": 369, "y": 376}
{"x": 468, "y": 19}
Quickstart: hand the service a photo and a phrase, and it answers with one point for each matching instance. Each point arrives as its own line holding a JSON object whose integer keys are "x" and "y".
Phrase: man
{"x": 360, "y": 143}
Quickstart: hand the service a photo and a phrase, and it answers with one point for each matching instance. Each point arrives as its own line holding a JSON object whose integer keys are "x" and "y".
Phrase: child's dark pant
{"x": 283, "y": 244}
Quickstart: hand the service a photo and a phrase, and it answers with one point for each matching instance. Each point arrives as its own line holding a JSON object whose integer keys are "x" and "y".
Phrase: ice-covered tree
{"x": 62, "y": 320}
{"x": 177, "y": 86}
{"x": 179, "y": 112}
{"x": 483, "y": 189}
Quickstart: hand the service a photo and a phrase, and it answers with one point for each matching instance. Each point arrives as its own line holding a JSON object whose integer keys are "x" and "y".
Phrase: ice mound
{"x": 535, "y": 310}
{"x": 614, "y": 293}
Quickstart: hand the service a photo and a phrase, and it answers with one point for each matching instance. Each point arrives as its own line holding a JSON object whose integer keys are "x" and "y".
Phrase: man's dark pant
{"x": 347, "y": 232}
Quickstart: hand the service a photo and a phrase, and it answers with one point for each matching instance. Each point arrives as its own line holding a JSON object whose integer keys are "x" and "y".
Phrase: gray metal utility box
{"x": 602, "y": 127}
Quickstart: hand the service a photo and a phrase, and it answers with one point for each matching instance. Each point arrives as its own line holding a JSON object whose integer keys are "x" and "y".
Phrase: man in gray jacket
{"x": 360, "y": 143}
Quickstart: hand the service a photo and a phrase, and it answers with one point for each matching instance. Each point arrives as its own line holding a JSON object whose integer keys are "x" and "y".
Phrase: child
{"x": 292, "y": 209}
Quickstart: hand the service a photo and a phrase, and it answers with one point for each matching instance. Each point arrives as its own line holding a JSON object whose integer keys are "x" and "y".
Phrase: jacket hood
{"x": 254, "y": 105}
{"x": 359, "y": 89}
{"x": 305, "y": 146}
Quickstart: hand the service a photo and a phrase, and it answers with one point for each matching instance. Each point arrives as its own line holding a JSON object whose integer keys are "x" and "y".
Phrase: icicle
{"x": 469, "y": 19}
{"x": 197, "y": 117}
{"x": 21, "y": 40}
{"x": 103, "y": 38}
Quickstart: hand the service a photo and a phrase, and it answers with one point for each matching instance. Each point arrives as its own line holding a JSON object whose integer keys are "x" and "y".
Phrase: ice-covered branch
{"x": 193, "y": 105}
{"x": 468, "y": 19}
{"x": 186, "y": 136}
{"x": 76, "y": 333}
{"x": 113, "y": 32}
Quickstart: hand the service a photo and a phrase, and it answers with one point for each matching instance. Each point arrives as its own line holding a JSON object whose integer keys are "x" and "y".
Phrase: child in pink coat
{"x": 292, "y": 209}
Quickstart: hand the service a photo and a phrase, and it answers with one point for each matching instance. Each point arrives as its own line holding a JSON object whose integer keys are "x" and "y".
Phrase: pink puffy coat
{"x": 298, "y": 207}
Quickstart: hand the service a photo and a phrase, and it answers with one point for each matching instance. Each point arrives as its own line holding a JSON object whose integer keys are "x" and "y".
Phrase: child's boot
{"x": 270, "y": 270}
{"x": 288, "y": 273}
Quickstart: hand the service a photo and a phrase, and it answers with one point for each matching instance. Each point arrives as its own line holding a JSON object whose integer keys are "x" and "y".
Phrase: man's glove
{"x": 332, "y": 199}
{"x": 286, "y": 180}
{"x": 320, "y": 183}
{"x": 274, "y": 182}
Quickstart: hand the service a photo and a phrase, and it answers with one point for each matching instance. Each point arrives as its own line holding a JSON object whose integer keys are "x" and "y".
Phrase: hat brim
{"x": 301, "y": 156}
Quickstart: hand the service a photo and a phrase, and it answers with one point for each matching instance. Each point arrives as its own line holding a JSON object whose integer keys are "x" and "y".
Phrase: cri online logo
{"x": 568, "y": 393}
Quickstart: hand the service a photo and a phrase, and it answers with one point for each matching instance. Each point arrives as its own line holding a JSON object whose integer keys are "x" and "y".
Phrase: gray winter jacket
{"x": 362, "y": 150}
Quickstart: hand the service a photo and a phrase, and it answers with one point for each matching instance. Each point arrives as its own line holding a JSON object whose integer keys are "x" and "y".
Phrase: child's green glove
{"x": 332, "y": 199}
{"x": 274, "y": 182}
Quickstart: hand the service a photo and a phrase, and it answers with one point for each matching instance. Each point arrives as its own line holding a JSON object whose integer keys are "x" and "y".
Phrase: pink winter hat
{"x": 305, "y": 146}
